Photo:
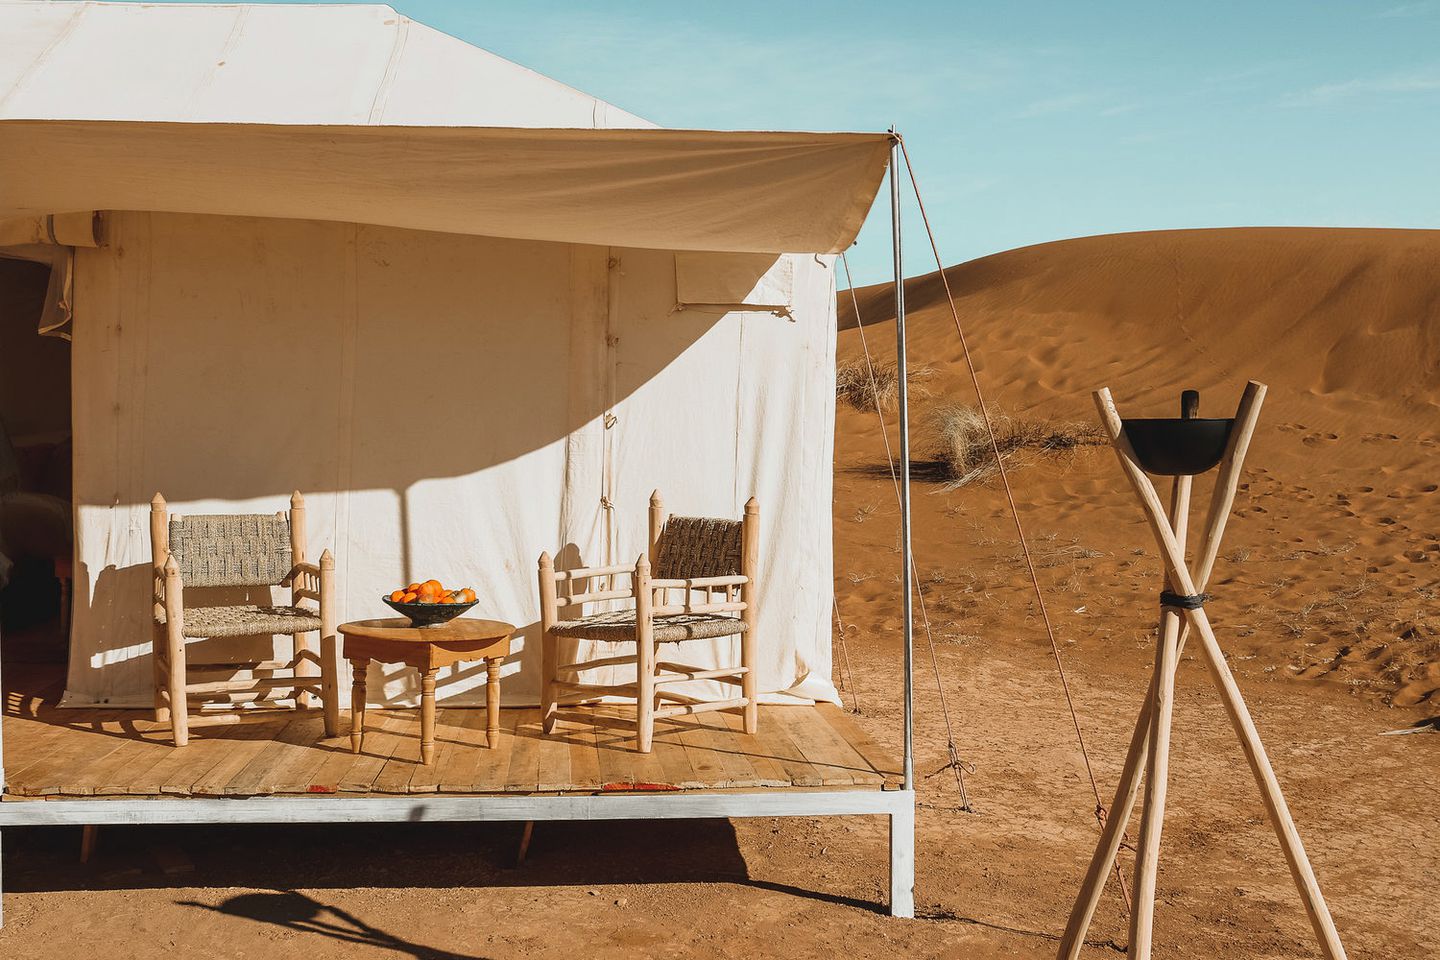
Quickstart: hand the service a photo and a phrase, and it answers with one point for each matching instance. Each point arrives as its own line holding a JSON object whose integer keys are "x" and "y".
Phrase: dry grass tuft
{"x": 963, "y": 449}
{"x": 854, "y": 385}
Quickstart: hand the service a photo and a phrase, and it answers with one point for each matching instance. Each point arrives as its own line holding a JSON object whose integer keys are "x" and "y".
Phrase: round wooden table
{"x": 427, "y": 649}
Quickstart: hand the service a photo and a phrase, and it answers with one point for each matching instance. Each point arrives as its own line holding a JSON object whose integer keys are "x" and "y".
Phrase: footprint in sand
{"x": 1314, "y": 439}
{"x": 1378, "y": 437}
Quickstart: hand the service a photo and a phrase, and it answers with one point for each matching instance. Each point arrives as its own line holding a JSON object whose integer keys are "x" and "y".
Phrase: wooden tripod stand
{"x": 1182, "y": 613}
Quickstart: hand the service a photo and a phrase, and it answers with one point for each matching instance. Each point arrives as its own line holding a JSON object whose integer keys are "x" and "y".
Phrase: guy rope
{"x": 955, "y": 762}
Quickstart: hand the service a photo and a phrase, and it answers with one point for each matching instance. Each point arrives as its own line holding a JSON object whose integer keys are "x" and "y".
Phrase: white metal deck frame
{"x": 897, "y": 805}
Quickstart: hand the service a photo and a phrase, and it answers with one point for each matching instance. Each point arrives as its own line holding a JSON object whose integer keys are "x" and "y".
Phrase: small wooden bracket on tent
{"x": 1183, "y": 448}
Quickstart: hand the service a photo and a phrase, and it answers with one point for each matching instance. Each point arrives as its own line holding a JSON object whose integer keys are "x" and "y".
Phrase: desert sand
{"x": 1325, "y": 598}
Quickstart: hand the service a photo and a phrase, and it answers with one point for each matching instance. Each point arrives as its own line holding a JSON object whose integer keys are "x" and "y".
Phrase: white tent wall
{"x": 441, "y": 400}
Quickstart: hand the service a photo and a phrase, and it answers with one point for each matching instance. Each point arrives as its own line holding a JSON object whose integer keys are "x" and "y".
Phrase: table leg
{"x": 357, "y": 704}
{"x": 492, "y": 702}
{"x": 427, "y": 717}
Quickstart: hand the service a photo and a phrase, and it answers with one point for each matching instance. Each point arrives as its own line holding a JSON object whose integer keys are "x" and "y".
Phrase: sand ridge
{"x": 1331, "y": 567}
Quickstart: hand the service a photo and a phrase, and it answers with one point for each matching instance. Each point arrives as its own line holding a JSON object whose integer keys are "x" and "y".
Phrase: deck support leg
{"x": 902, "y": 861}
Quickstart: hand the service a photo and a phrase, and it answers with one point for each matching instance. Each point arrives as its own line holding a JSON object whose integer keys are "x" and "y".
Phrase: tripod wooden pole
{"x": 1230, "y": 696}
{"x": 1162, "y": 699}
{"x": 1127, "y": 789}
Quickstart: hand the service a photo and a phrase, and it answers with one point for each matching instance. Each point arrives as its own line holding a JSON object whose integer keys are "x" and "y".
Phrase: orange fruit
{"x": 397, "y": 596}
{"x": 467, "y": 595}
{"x": 413, "y": 588}
{"x": 409, "y": 598}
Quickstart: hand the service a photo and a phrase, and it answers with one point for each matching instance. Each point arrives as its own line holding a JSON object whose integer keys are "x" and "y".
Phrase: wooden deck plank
{"x": 773, "y": 741}
{"x": 238, "y": 755}
{"x": 695, "y": 740}
{"x": 846, "y": 727}
{"x": 523, "y": 774}
{"x": 584, "y": 759}
{"x": 554, "y": 762}
{"x": 458, "y": 730}
{"x": 769, "y": 772}
{"x": 70, "y": 760}
{"x": 394, "y": 776}
{"x": 294, "y": 773}
{"x": 483, "y": 769}
{"x": 835, "y": 761}
{"x": 487, "y": 769}
{"x": 181, "y": 780}
{"x": 670, "y": 751}
{"x": 28, "y": 740}
{"x": 381, "y": 741}
{"x": 106, "y": 753}
{"x": 729, "y": 749}
{"x": 254, "y": 778}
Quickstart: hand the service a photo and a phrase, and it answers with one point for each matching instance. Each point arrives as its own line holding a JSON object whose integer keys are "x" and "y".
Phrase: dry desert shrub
{"x": 963, "y": 449}
{"x": 856, "y": 385}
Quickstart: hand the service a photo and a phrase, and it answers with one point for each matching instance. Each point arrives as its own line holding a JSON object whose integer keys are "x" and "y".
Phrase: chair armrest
{"x": 701, "y": 583}
{"x": 582, "y": 573}
{"x": 688, "y": 604}
{"x": 299, "y": 569}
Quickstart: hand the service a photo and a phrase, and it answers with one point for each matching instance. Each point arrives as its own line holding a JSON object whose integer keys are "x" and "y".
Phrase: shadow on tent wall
{"x": 442, "y": 401}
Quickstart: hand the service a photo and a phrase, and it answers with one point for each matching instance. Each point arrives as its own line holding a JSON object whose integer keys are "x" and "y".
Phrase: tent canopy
{"x": 661, "y": 189}
{"x": 355, "y": 113}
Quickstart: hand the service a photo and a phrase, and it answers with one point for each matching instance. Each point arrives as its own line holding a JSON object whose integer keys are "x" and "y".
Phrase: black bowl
{"x": 1178, "y": 448}
{"x": 428, "y": 614}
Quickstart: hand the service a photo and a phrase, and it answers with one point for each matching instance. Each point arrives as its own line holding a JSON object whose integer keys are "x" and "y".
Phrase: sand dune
{"x": 1332, "y": 565}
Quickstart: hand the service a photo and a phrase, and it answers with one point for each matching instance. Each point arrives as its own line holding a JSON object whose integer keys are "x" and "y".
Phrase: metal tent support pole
{"x": 902, "y": 827}
{"x": 907, "y": 567}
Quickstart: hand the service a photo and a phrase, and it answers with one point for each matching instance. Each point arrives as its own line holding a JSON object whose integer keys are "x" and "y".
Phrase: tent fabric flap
{"x": 681, "y": 190}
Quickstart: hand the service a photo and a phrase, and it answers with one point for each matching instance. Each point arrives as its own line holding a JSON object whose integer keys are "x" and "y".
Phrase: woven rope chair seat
{"x": 248, "y": 620}
{"x": 619, "y": 626}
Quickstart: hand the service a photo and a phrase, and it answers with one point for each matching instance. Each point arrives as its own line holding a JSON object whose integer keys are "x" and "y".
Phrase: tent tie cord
{"x": 959, "y": 767}
{"x": 1014, "y": 510}
{"x": 849, "y": 686}
{"x": 1184, "y": 601}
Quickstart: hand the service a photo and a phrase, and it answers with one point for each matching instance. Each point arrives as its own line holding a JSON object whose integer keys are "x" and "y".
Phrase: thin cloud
{"x": 1407, "y": 11}
{"x": 1064, "y": 103}
{"x": 1417, "y": 82}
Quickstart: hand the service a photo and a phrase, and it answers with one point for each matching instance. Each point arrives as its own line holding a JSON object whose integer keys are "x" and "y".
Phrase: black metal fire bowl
{"x": 1178, "y": 447}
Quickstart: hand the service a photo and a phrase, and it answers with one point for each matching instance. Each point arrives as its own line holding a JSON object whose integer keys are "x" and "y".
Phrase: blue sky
{"x": 1034, "y": 121}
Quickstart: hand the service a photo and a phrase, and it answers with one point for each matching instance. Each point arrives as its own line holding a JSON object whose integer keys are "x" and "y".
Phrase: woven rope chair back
{"x": 231, "y": 550}
{"x": 698, "y": 547}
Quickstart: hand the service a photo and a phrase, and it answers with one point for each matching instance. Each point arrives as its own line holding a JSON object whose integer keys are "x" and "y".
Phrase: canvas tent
{"x": 472, "y": 313}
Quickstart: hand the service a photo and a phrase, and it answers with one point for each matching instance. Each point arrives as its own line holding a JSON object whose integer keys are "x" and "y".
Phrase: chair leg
{"x": 549, "y": 660}
{"x": 162, "y": 684}
{"x": 645, "y": 694}
{"x": 749, "y": 688}
{"x": 330, "y": 682}
{"x": 175, "y": 682}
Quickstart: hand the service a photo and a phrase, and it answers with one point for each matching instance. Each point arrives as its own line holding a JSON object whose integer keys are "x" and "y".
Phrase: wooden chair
{"x": 688, "y": 556}
{"x": 241, "y": 550}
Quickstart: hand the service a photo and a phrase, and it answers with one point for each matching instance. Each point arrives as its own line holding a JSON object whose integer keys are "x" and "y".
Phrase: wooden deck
{"x": 55, "y": 753}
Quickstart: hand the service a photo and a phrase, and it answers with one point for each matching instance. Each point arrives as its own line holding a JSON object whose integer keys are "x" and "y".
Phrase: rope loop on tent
{"x": 1010, "y": 498}
{"x": 959, "y": 766}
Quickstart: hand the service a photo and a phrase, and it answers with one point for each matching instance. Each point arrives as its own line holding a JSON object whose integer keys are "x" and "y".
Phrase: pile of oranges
{"x": 432, "y": 591}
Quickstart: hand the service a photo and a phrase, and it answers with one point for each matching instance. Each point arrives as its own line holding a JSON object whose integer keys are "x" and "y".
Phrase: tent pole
{"x": 906, "y": 561}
